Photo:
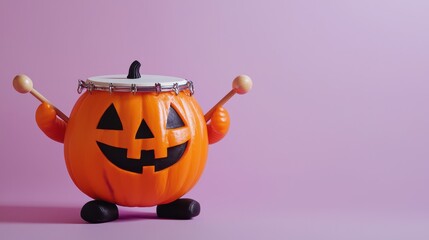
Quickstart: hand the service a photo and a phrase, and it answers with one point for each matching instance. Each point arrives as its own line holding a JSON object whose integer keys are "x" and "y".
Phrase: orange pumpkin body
{"x": 99, "y": 178}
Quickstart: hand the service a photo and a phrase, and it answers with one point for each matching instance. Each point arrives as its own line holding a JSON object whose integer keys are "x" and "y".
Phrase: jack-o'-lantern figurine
{"x": 136, "y": 140}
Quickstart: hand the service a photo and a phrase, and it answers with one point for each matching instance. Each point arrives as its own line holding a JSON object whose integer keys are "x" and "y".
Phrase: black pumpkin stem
{"x": 134, "y": 71}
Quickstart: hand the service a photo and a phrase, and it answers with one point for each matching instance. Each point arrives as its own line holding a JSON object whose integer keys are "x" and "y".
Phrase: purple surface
{"x": 332, "y": 142}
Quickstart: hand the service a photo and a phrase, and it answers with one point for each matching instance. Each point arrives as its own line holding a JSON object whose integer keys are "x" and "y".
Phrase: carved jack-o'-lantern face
{"x": 118, "y": 156}
{"x": 141, "y": 149}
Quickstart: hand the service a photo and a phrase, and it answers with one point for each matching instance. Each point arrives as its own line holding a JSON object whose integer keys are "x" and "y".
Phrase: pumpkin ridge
{"x": 109, "y": 186}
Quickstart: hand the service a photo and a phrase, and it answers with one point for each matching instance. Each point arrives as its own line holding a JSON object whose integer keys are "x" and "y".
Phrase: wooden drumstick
{"x": 23, "y": 84}
{"x": 241, "y": 85}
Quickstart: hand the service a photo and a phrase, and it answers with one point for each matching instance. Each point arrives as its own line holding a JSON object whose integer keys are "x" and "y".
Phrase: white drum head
{"x": 143, "y": 81}
{"x": 134, "y": 82}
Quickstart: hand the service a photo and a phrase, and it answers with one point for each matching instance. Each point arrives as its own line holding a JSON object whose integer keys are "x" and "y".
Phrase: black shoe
{"x": 184, "y": 208}
{"x": 98, "y": 211}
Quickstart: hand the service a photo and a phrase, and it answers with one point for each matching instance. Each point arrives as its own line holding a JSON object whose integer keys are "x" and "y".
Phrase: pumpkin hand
{"x": 218, "y": 126}
{"x": 48, "y": 122}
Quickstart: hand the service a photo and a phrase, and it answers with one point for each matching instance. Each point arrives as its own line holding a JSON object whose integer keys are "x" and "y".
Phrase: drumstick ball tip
{"x": 22, "y": 83}
{"x": 242, "y": 84}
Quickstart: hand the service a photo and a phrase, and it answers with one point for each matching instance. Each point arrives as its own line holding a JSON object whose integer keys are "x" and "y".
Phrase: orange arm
{"x": 218, "y": 126}
{"x": 49, "y": 123}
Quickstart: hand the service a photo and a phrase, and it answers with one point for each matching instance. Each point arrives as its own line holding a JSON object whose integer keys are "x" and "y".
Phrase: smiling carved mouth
{"x": 118, "y": 156}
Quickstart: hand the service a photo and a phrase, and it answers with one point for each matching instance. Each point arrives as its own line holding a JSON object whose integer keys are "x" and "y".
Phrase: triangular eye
{"x": 144, "y": 131}
{"x": 173, "y": 119}
{"x": 110, "y": 119}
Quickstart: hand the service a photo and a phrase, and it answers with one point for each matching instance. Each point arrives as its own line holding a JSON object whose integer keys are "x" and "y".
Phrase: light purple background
{"x": 332, "y": 142}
